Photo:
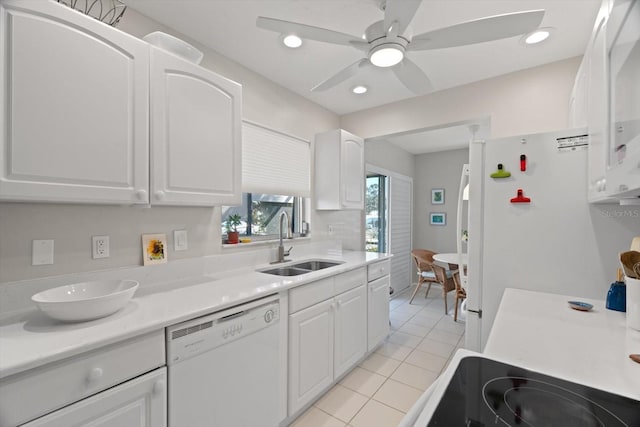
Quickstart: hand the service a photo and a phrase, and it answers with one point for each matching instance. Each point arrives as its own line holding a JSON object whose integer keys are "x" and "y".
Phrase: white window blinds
{"x": 274, "y": 163}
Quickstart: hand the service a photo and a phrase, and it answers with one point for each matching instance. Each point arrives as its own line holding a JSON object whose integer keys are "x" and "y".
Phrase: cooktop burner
{"x": 484, "y": 392}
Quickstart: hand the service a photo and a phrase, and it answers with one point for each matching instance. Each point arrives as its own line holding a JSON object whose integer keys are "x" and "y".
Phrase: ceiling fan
{"x": 387, "y": 41}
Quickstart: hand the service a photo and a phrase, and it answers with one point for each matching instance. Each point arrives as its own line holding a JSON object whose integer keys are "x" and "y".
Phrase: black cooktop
{"x": 484, "y": 392}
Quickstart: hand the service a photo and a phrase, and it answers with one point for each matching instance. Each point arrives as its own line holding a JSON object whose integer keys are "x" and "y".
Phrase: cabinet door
{"x": 623, "y": 177}
{"x": 598, "y": 113}
{"x": 352, "y": 171}
{"x": 378, "y": 311}
{"x": 350, "y": 329}
{"x": 195, "y": 134}
{"x": 74, "y": 107}
{"x": 310, "y": 353}
{"x": 141, "y": 402}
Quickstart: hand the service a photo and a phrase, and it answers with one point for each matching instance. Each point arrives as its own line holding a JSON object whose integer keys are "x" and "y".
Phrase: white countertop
{"x": 29, "y": 339}
{"x": 539, "y": 331}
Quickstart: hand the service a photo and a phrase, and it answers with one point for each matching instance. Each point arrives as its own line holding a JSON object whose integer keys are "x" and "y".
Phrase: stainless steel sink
{"x": 316, "y": 265}
{"x": 286, "y": 271}
{"x": 301, "y": 268}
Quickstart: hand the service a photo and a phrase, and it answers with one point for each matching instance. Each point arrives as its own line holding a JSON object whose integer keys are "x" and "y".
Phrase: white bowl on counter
{"x": 80, "y": 302}
{"x": 174, "y": 45}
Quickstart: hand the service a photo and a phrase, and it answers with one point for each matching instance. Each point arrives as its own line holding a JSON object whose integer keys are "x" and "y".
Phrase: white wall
{"x": 389, "y": 156}
{"x": 529, "y": 101}
{"x": 437, "y": 170}
{"x": 71, "y": 226}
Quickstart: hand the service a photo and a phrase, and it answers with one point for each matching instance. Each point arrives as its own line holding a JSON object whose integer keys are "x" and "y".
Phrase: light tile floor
{"x": 379, "y": 391}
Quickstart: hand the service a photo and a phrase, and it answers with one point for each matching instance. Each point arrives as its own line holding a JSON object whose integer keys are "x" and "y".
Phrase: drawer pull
{"x": 94, "y": 375}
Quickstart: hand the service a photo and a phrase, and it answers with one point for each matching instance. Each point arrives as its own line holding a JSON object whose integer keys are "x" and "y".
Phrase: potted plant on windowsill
{"x": 231, "y": 224}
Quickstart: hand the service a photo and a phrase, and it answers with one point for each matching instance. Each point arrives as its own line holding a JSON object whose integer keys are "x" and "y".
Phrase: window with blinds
{"x": 274, "y": 162}
{"x": 276, "y": 177}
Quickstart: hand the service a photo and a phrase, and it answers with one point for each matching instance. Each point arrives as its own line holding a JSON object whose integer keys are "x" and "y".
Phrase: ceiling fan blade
{"x": 400, "y": 13}
{"x": 479, "y": 30}
{"x": 342, "y": 75}
{"x": 306, "y": 31}
{"x": 412, "y": 77}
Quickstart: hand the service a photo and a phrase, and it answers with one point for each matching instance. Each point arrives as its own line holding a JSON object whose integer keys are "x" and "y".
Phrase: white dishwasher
{"x": 226, "y": 369}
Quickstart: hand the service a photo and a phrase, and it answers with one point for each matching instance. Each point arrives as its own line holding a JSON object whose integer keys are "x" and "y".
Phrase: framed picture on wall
{"x": 438, "y": 218}
{"x": 437, "y": 196}
{"x": 154, "y": 249}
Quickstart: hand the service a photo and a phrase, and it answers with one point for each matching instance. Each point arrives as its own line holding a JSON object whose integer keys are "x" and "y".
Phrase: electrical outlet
{"x": 100, "y": 246}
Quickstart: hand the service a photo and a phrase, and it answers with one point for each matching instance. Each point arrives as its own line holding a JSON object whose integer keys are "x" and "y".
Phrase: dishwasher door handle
{"x": 231, "y": 316}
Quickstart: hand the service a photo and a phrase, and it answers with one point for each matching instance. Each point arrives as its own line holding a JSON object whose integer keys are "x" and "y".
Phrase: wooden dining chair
{"x": 423, "y": 259}
{"x": 446, "y": 279}
{"x": 442, "y": 276}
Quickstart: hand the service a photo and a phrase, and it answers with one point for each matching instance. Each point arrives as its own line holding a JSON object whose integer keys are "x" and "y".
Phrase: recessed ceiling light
{"x": 537, "y": 36}
{"x": 292, "y": 41}
{"x": 359, "y": 90}
{"x": 386, "y": 55}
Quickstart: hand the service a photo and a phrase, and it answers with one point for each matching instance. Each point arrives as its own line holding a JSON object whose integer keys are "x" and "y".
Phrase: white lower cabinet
{"x": 141, "y": 402}
{"x": 378, "y": 311}
{"x": 378, "y": 302}
{"x": 326, "y": 338}
{"x": 350, "y": 329}
{"x": 119, "y": 385}
{"x": 310, "y": 353}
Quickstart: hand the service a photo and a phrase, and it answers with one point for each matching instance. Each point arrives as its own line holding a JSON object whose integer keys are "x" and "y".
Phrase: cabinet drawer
{"x": 31, "y": 394}
{"x": 349, "y": 280}
{"x": 307, "y": 295}
{"x": 378, "y": 269}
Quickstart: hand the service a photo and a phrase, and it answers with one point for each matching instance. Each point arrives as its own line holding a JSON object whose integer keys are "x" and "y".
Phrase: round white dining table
{"x": 450, "y": 258}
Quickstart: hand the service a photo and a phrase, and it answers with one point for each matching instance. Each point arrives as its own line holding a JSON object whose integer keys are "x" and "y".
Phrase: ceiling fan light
{"x": 359, "y": 90}
{"x": 386, "y": 56}
{"x": 292, "y": 41}
{"x": 537, "y": 36}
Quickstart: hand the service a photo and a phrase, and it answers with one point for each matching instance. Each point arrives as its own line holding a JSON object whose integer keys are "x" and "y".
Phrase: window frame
{"x": 298, "y": 217}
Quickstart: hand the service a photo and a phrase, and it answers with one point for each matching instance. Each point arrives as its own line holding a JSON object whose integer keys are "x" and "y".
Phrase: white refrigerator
{"x": 556, "y": 243}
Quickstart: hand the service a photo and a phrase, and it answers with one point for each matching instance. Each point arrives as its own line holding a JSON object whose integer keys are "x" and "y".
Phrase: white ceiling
{"x": 228, "y": 27}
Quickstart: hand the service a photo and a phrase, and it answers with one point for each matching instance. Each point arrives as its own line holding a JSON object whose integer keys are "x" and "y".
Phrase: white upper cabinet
{"x": 597, "y": 111}
{"x": 74, "y": 92}
{"x": 624, "y": 65}
{"x": 195, "y": 134}
{"x": 339, "y": 170}
{"x": 90, "y": 114}
{"x": 613, "y": 94}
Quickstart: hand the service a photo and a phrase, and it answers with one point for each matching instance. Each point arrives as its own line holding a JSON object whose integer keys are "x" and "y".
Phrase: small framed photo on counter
{"x": 154, "y": 249}
{"x": 437, "y": 196}
{"x": 438, "y": 218}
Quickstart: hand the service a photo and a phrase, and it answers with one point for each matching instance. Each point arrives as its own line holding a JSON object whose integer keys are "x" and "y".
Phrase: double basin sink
{"x": 301, "y": 268}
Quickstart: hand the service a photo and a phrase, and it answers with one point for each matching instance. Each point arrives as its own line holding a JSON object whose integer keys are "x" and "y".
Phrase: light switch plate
{"x": 42, "y": 252}
{"x": 180, "y": 240}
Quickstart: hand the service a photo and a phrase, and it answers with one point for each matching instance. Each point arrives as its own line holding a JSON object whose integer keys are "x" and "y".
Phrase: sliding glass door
{"x": 376, "y": 213}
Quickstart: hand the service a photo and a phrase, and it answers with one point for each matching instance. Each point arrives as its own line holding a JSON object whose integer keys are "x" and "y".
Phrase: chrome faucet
{"x": 281, "y": 252}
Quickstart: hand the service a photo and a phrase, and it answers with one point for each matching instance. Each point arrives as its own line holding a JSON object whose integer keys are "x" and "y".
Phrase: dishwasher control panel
{"x": 205, "y": 333}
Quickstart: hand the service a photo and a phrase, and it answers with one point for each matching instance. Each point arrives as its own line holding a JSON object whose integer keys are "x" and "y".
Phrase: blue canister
{"x": 617, "y": 297}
